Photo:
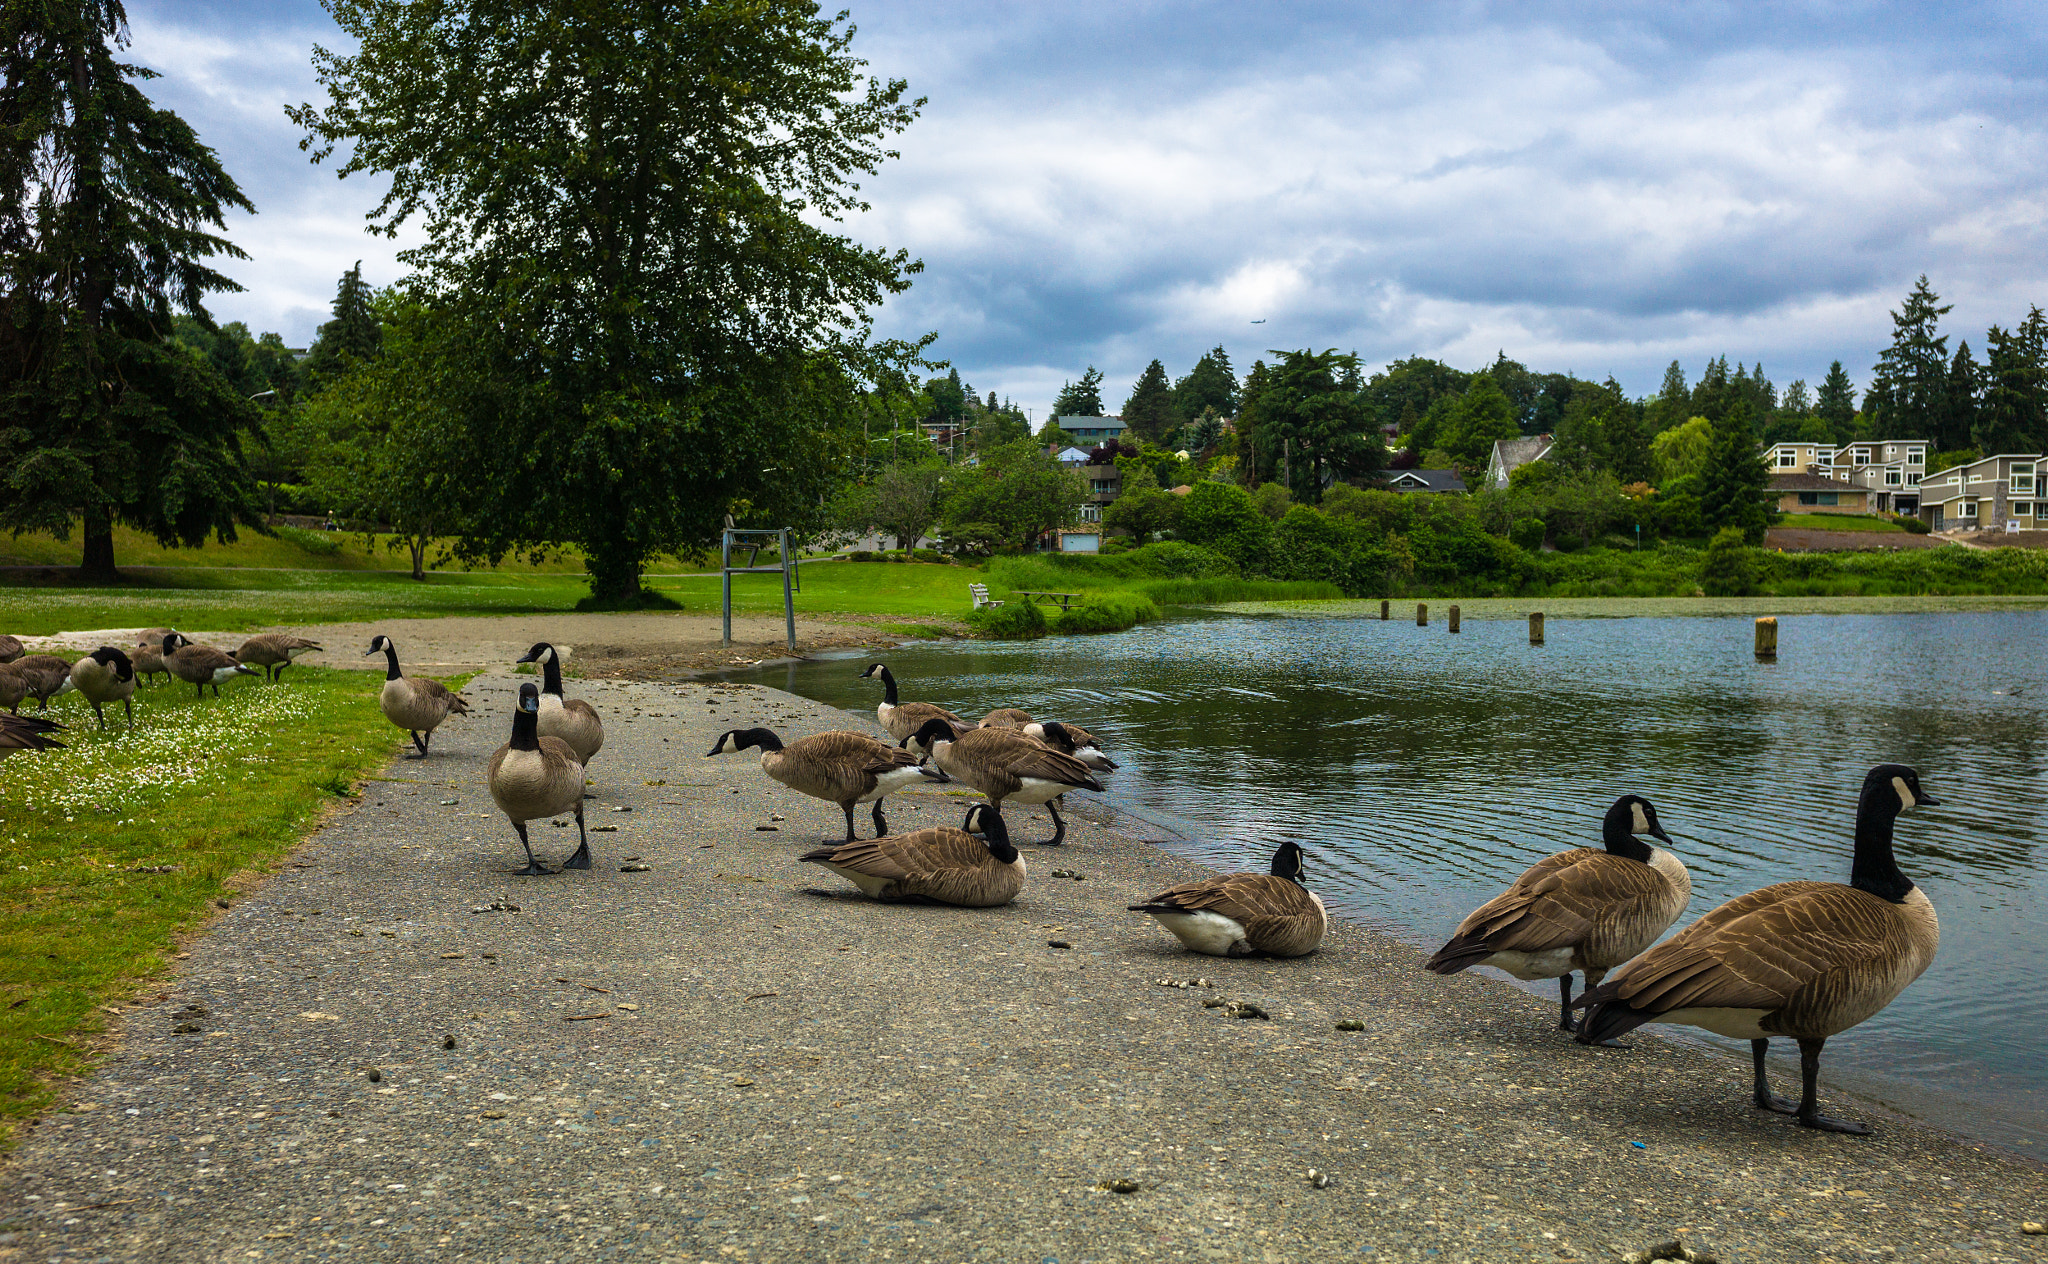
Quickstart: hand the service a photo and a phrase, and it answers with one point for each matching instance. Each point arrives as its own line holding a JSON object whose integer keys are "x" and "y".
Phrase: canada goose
{"x": 532, "y": 777}
{"x": 28, "y": 732}
{"x": 1578, "y": 910}
{"x": 945, "y": 864}
{"x": 148, "y": 661}
{"x": 104, "y": 676}
{"x": 1006, "y": 718}
{"x": 841, "y": 768}
{"x": 274, "y": 651}
{"x": 905, "y": 718}
{"x": 1005, "y": 764}
{"x": 11, "y": 648}
{"x": 571, "y": 719}
{"x": 1072, "y": 739}
{"x": 13, "y": 688}
{"x": 1799, "y": 959}
{"x": 45, "y": 676}
{"x": 1242, "y": 913}
{"x": 200, "y": 665}
{"x": 413, "y": 703}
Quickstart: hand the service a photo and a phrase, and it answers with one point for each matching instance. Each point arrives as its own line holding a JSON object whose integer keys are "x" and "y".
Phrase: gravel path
{"x": 702, "y": 1061}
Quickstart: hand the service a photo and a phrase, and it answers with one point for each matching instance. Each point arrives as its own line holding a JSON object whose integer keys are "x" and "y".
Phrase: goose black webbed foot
{"x": 533, "y": 870}
{"x": 581, "y": 860}
{"x": 1828, "y": 1123}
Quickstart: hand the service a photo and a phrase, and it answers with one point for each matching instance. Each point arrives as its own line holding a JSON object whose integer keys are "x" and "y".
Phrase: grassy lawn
{"x": 214, "y": 789}
{"x": 294, "y": 550}
{"x": 1838, "y": 522}
{"x": 912, "y": 588}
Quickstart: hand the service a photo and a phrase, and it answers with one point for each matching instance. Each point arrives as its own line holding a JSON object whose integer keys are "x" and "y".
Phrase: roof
{"x": 1811, "y": 483}
{"x": 1074, "y": 456}
{"x": 1510, "y": 453}
{"x": 1426, "y": 480}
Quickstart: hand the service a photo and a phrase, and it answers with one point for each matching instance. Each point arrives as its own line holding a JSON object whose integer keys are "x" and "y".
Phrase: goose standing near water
{"x": 28, "y": 732}
{"x": 1801, "y": 959}
{"x": 841, "y": 768}
{"x": 413, "y": 703}
{"x": 1581, "y": 909}
{"x": 201, "y": 665}
{"x": 43, "y": 676}
{"x": 1005, "y": 764}
{"x": 533, "y": 778}
{"x": 1242, "y": 913}
{"x": 1006, "y": 718}
{"x": 274, "y": 651}
{"x": 1071, "y": 739}
{"x": 903, "y": 719}
{"x": 104, "y": 676}
{"x": 945, "y": 864}
{"x": 571, "y": 719}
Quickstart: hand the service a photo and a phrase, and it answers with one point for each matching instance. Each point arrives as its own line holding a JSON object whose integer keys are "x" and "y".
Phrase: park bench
{"x": 981, "y": 598}
{"x": 1060, "y": 599}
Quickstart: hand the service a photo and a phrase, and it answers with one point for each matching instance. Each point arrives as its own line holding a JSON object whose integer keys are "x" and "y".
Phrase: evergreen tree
{"x": 1313, "y": 428}
{"x": 949, "y": 398}
{"x": 1835, "y": 404}
{"x": 1252, "y": 467}
{"x": 2014, "y": 416}
{"x": 1082, "y": 398}
{"x": 1401, "y": 395}
{"x": 1909, "y": 394}
{"x": 1673, "y": 404}
{"x": 1712, "y": 398}
{"x": 1210, "y": 384}
{"x": 106, "y": 203}
{"x": 1483, "y": 416}
{"x": 1149, "y": 411}
{"x": 351, "y": 337}
{"x": 1734, "y": 483}
{"x": 1965, "y": 393}
{"x": 1627, "y": 440}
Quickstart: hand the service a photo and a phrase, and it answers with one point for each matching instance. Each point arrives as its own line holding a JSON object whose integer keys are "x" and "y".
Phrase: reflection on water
{"x": 1426, "y": 770}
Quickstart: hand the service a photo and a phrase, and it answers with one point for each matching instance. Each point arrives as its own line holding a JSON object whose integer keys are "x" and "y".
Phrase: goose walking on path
{"x": 413, "y": 703}
{"x": 533, "y": 778}
{"x": 28, "y": 732}
{"x": 1005, "y": 765}
{"x": 201, "y": 665}
{"x": 1800, "y": 959}
{"x": 1244, "y": 913}
{"x": 43, "y": 677}
{"x": 902, "y": 719}
{"x": 571, "y": 719}
{"x": 104, "y": 676}
{"x": 948, "y": 865}
{"x": 274, "y": 651}
{"x": 841, "y": 768}
{"x": 1581, "y": 909}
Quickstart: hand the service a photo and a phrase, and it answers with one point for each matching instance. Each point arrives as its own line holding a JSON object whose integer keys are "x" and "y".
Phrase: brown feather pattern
{"x": 1279, "y": 915}
{"x": 1604, "y": 907}
{"x": 997, "y": 761}
{"x": 945, "y": 864}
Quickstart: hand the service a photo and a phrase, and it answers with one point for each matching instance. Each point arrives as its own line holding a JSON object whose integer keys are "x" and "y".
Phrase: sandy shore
{"x": 707, "y": 1061}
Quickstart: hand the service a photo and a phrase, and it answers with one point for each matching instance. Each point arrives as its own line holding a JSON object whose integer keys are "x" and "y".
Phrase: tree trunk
{"x": 98, "y": 563}
{"x": 419, "y": 551}
{"x": 614, "y": 568}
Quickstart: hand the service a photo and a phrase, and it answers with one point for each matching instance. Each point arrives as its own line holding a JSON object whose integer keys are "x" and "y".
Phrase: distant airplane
{"x": 1260, "y": 321}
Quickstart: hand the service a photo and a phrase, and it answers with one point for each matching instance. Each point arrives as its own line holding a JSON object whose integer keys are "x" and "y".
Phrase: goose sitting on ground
{"x": 1005, "y": 764}
{"x": 1242, "y": 913}
{"x": 948, "y": 865}
{"x": 1799, "y": 959}
{"x": 413, "y": 703}
{"x": 841, "y": 768}
{"x": 1578, "y": 910}
{"x": 104, "y": 676}
{"x": 28, "y": 732}
{"x": 905, "y": 718}
{"x": 274, "y": 651}
{"x": 11, "y": 648}
{"x": 1071, "y": 739}
{"x": 571, "y": 719}
{"x": 201, "y": 665}
{"x": 43, "y": 676}
{"x": 1006, "y": 718}
{"x": 533, "y": 778}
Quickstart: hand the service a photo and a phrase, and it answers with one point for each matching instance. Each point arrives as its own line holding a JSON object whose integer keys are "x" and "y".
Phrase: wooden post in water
{"x": 1767, "y": 637}
{"x": 1421, "y": 614}
{"x": 1386, "y": 608}
{"x": 1454, "y": 618}
{"x": 1535, "y": 627}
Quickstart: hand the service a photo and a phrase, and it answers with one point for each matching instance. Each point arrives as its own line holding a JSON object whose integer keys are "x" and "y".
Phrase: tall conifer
{"x": 1149, "y": 411}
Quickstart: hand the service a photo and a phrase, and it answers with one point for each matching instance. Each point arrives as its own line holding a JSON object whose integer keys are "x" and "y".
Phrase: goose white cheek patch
{"x": 1642, "y": 821}
{"x": 1906, "y": 799}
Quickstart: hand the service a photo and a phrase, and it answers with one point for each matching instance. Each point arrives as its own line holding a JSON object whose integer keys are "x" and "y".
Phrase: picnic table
{"x": 1060, "y": 599}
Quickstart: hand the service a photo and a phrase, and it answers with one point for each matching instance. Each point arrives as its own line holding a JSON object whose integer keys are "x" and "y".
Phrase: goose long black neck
{"x": 997, "y": 836}
{"x": 888, "y": 687}
{"x": 391, "y": 671}
{"x": 1875, "y": 868}
{"x": 551, "y": 673}
{"x": 1618, "y": 833}
{"x": 525, "y": 730}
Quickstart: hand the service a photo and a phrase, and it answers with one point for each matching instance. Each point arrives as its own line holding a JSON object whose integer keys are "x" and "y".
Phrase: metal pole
{"x": 725, "y": 568}
{"x": 788, "y": 602}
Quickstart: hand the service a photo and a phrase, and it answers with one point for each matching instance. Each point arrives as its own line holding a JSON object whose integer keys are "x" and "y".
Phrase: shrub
{"x": 928, "y": 555}
{"x": 1527, "y": 533}
{"x": 1914, "y": 526}
{"x": 1567, "y": 543}
{"x": 973, "y": 539}
{"x": 1729, "y": 571}
{"x": 1012, "y": 621}
{"x": 860, "y": 555}
{"x": 1107, "y": 612}
{"x": 1223, "y": 518}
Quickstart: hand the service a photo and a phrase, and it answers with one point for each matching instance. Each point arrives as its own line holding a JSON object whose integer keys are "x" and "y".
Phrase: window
{"x": 2022, "y": 508}
{"x": 2022, "y": 480}
{"x": 1785, "y": 458}
{"x": 1861, "y": 456}
{"x": 1916, "y": 456}
{"x": 1830, "y": 498}
{"x": 1091, "y": 513}
{"x": 1968, "y": 509}
{"x": 1820, "y": 498}
{"x": 1103, "y": 486}
{"x": 1913, "y": 479}
{"x": 1892, "y": 478}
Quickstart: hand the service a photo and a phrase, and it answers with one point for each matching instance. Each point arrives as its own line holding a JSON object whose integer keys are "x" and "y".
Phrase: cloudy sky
{"x": 1585, "y": 187}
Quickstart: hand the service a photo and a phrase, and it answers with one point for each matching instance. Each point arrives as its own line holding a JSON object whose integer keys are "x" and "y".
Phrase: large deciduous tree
{"x": 106, "y": 209}
{"x": 632, "y": 205}
{"x": 1019, "y": 490}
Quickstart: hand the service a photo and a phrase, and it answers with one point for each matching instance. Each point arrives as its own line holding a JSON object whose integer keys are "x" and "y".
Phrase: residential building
{"x": 1092, "y": 430}
{"x": 1510, "y": 455}
{"x": 1891, "y": 469}
{"x": 1105, "y": 484}
{"x": 1985, "y": 495}
{"x": 1800, "y": 458}
{"x": 1894, "y": 486}
{"x": 1816, "y": 493}
{"x": 1424, "y": 481}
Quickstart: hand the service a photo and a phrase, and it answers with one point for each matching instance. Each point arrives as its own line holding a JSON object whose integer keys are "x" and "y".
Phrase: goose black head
{"x": 108, "y": 656}
{"x": 1631, "y": 815}
{"x": 378, "y": 644}
{"x": 529, "y": 699}
{"x": 1287, "y": 862}
{"x": 874, "y": 669}
{"x": 540, "y": 653}
{"x": 986, "y": 820}
{"x": 1056, "y": 733}
{"x": 171, "y": 640}
{"x": 934, "y": 730}
{"x": 741, "y": 739}
{"x": 1902, "y": 781}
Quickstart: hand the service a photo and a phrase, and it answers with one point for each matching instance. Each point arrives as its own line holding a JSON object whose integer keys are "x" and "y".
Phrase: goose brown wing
{"x": 578, "y": 706}
{"x": 1783, "y": 946}
{"x": 907, "y": 857}
{"x": 1244, "y": 898}
{"x": 840, "y": 745}
{"x": 1022, "y": 756}
{"x": 435, "y": 691}
{"x": 1559, "y": 902}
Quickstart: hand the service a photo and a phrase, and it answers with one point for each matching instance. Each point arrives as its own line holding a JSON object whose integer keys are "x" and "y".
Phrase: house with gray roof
{"x": 1510, "y": 455}
{"x": 1424, "y": 481}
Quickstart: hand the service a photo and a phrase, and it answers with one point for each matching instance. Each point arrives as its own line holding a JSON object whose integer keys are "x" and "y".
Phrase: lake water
{"x": 1425, "y": 770}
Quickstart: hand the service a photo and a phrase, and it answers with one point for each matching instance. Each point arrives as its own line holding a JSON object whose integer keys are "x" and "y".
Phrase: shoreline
{"x": 707, "y": 1061}
{"x": 1496, "y": 608}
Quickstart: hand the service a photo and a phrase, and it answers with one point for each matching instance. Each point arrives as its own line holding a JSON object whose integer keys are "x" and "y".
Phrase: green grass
{"x": 1839, "y": 522}
{"x": 290, "y": 548}
{"x": 913, "y": 588}
{"x": 219, "y": 788}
